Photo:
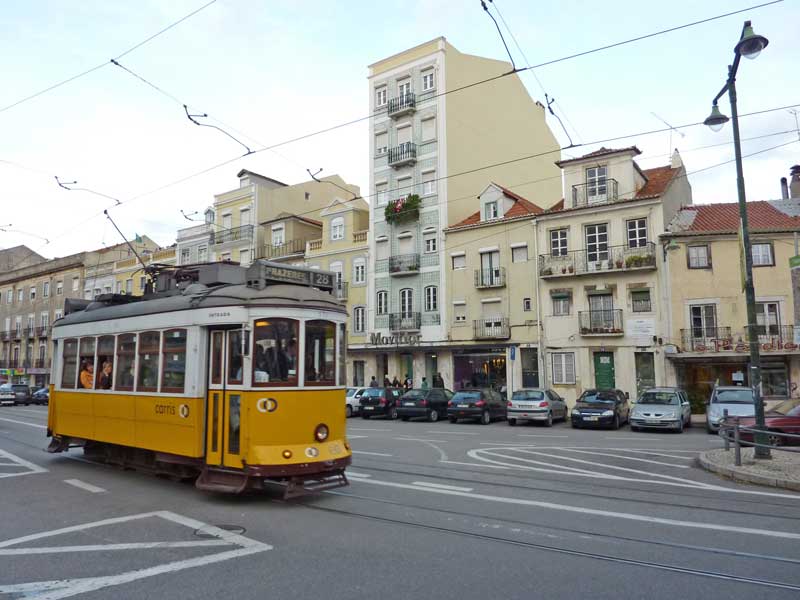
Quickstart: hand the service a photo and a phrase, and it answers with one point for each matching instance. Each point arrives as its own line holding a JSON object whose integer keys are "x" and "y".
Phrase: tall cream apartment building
{"x": 425, "y": 135}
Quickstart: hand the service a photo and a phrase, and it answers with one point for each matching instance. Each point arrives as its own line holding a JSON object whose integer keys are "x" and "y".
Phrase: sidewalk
{"x": 782, "y": 471}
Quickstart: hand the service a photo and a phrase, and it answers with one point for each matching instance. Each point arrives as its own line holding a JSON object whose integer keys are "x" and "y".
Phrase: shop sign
{"x": 401, "y": 339}
{"x": 38, "y": 371}
{"x": 12, "y": 371}
{"x": 741, "y": 347}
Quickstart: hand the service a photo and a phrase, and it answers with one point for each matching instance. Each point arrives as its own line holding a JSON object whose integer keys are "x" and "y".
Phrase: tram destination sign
{"x": 274, "y": 272}
{"x": 400, "y": 339}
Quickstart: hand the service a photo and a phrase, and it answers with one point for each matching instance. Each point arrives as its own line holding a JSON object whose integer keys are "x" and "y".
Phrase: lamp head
{"x": 716, "y": 119}
{"x": 750, "y": 44}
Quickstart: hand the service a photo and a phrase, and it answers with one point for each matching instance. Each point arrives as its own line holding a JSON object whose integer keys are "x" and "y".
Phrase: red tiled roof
{"x": 724, "y": 218}
{"x": 522, "y": 207}
{"x": 657, "y": 181}
{"x": 602, "y": 151}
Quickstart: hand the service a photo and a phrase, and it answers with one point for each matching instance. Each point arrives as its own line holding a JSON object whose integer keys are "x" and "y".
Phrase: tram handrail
{"x": 730, "y": 430}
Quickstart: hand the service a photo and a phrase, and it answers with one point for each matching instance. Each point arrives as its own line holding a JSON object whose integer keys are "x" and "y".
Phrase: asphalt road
{"x": 434, "y": 510}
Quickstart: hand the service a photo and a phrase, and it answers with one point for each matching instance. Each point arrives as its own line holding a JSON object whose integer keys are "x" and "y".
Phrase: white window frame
{"x": 561, "y": 364}
{"x": 461, "y": 259}
{"x": 227, "y": 220}
{"x": 596, "y": 184}
{"x": 428, "y": 80}
{"x": 636, "y": 232}
{"x": 429, "y": 183}
{"x": 59, "y": 288}
{"x": 404, "y": 87}
{"x": 559, "y": 242}
{"x": 359, "y": 271}
{"x": 562, "y": 306}
{"x": 406, "y": 302}
{"x": 382, "y": 193}
{"x": 245, "y": 212}
{"x": 244, "y": 253}
{"x": 382, "y": 303}
{"x": 459, "y": 319}
{"x": 337, "y": 229}
{"x": 431, "y": 243}
{"x": 428, "y": 132}
{"x": 202, "y": 254}
{"x": 516, "y": 251}
{"x": 431, "y": 298}
{"x": 10, "y": 297}
{"x": 596, "y": 240}
{"x": 760, "y": 258}
{"x": 186, "y": 256}
{"x": 381, "y": 150}
{"x": 45, "y": 289}
{"x": 21, "y": 296}
{"x": 76, "y": 284}
{"x": 282, "y": 231}
{"x": 491, "y": 210}
{"x": 695, "y": 255}
{"x": 381, "y": 95}
{"x": 359, "y": 319}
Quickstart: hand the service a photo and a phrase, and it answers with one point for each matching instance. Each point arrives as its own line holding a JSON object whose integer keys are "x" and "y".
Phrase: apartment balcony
{"x": 698, "y": 339}
{"x": 402, "y": 105}
{"x": 491, "y": 329}
{"x": 403, "y": 155}
{"x": 490, "y": 278}
{"x": 608, "y": 260}
{"x": 601, "y": 192}
{"x": 16, "y": 334}
{"x": 341, "y": 290}
{"x": 30, "y": 332}
{"x": 314, "y": 245}
{"x": 603, "y": 323}
{"x": 360, "y": 237}
{"x": 234, "y": 234}
{"x": 404, "y": 264}
{"x": 43, "y": 331}
{"x": 290, "y": 248}
{"x": 771, "y": 335}
{"x": 6, "y": 335}
{"x": 725, "y": 339}
{"x": 405, "y": 321}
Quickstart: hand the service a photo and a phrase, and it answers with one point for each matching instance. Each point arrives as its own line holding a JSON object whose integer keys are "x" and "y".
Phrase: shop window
{"x": 320, "y": 349}
{"x": 774, "y": 380}
{"x": 69, "y": 365}
{"x": 275, "y": 352}
{"x": 86, "y": 361}
{"x": 173, "y": 370}
{"x": 149, "y": 350}
{"x": 105, "y": 362}
{"x": 563, "y": 367}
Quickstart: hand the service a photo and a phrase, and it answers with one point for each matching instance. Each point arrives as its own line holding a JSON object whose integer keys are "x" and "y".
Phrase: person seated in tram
{"x": 86, "y": 377}
{"x": 105, "y": 380}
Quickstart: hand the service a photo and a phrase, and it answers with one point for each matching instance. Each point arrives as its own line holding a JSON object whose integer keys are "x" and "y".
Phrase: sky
{"x": 271, "y": 71}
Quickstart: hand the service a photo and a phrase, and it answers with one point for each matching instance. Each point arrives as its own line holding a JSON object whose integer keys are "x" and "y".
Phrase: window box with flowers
{"x": 402, "y": 209}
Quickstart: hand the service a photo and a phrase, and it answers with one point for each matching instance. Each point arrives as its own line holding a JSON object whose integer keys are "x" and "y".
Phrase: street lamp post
{"x": 750, "y": 46}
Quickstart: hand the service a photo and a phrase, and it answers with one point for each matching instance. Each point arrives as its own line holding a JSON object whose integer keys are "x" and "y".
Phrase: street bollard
{"x": 737, "y": 456}
{"x": 725, "y": 435}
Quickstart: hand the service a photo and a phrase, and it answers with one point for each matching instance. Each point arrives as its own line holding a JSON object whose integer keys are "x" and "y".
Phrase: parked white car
{"x": 353, "y": 400}
{"x": 738, "y": 401}
{"x": 662, "y": 408}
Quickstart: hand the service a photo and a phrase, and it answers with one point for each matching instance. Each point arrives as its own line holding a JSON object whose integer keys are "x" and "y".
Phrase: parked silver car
{"x": 536, "y": 404}
{"x": 738, "y": 401}
{"x": 662, "y": 408}
{"x": 352, "y": 400}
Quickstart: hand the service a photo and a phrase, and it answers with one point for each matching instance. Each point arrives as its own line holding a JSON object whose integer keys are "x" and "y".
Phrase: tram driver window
{"x": 275, "y": 352}
{"x": 320, "y": 352}
{"x": 86, "y": 373}
{"x": 173, "y": 373}
{"x": 69, "y": 368}
{"x": 149, "y": 349}
{"x": 126, "y": 353}
{"x": 235, "y": 357}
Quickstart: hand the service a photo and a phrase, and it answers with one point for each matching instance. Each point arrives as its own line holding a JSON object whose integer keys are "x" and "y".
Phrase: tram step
{"x": 303, "y": 486}
{"x": 217, "y": 480}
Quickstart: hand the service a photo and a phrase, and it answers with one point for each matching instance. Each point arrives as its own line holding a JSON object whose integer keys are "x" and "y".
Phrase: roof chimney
{"x": 676, "y": 162}
{"x": 794, "y": 184}
{"x": 784, "y": 189}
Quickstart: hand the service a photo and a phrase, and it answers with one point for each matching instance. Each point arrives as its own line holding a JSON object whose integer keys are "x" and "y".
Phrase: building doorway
{"x": 604, "y": 371}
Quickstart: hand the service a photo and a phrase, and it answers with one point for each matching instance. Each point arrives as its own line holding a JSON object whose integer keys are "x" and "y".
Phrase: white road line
{"x": 24, "y": 423}
{"x": 454, "y": 432}
{"x": 32, "y": 468}
{"x": 356, "y": 437}
{"x": 511, "y": 444}
{"x": 544, "y": 435}
{"x": 366, "y": 429}
{"x": 356, "y": 475}
{"x": 370, "y": 453}
{"x": 441, "y": 486}
{"x": 410, "y": 439}
{"x": 454, "y": 462}
{"x": 85, "y": 486}
{"x": 647, "y": 460}
{"x": 105, "y": 547}
{"x": 727, "y": 528}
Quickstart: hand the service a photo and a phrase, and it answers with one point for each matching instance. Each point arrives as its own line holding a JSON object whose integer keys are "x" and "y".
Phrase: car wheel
{"x": 680, "y": 427}
{"x": 710, "y": 431}
{"x": 348, "y": 411}
{"x": 452, "y": 419}
{"x": 404, "y": 418}
{"x": 486, "y": 418}
{"x": 433, "y": 416}
{"x": 365, "y": 417}
{"x": 615, "y": 424}
{"x": 549, "y": 421}
{"x": 689, "y": 421}
{"x": 634, "y": 428}
{"x": 574, "y": 425}
{"x": 512, "y": 422}
{"x": 392, "y": 414}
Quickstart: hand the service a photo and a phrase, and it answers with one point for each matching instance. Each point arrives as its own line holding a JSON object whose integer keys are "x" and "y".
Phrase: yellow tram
{"x": 233, "y": 376}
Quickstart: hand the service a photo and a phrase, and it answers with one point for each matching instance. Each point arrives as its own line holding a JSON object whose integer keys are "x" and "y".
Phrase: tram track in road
{"x": 565, "y": 551}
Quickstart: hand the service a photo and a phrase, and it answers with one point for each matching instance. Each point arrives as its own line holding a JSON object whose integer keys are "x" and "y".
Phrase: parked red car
{"x": 783, "y": 418}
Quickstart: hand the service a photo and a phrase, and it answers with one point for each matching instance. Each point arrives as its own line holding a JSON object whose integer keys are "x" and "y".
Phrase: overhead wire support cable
{"x": 314, "y": 177}
{"x": 193, "y": 119}
{"x": 65, "y": 185}
{"x": 502, "y": 39}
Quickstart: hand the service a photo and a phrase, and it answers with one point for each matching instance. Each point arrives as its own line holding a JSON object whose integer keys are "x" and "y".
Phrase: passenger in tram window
{"x": 86, "y": 378}
{"x": 105, "y": 380}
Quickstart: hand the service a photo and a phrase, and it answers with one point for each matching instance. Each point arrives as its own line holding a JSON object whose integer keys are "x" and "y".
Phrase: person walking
{"x": 396, "y": 382}
{"x": 373, "y": 383}
{"x": 438, "y": 382}
{"x": 424, "y": 384}
{"x": 408, "y": 383}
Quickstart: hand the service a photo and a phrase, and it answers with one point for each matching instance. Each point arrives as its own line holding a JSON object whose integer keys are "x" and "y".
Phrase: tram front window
{"x": 275, "y": 352}
{"x": 320, "y": 353}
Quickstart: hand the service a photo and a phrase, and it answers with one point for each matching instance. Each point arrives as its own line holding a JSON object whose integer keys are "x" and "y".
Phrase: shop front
{"x": 479, "y": 368}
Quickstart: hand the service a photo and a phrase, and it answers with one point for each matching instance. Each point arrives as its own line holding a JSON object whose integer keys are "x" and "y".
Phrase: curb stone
{"x": 737, "y": 475}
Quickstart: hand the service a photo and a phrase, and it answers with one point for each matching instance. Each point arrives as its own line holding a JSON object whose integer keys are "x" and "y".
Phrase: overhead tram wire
{"x": 105, "y": 63}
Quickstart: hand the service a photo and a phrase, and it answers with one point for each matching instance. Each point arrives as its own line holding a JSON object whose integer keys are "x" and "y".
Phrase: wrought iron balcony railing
{"x": 601, "y": 322}
{"x": 597, "y": 192}
{"x": 43, "y": 331}
{"x": 491, "y": 329}
{"x": 603, "y": 259}
{"x": 699, "y": 339}
{"x": 280, "y": 250}
{"x": 6, "y": 335}
{"x": 235, "y": 234}
{"x": 402, "y": 105}
{"x": 490, "y": 278}
{"x": 341, "y": 290}
{"x": 404, "y": 264}
{"x": 725, "y": 339}
{"x": 404, "y": 154}
{"x": 30, "y": 332}
{"x": 405, "y": 321}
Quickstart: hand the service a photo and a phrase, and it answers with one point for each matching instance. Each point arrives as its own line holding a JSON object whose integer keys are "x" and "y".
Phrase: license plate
{"x": 525, "y": 406}
{"x": 408, "y": 404}
{"x": 463, "y": 406}
{"x": 652, "y": 421}
{"x": 367, "y": 407}
{"x": 590, "y": 418}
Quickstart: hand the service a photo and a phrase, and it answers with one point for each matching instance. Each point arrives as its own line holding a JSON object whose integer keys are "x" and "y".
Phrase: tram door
{"x": 224, "y": 406}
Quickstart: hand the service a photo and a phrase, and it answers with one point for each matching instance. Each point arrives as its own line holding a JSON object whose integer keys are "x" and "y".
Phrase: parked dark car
{"x": 601, "y": 408}
{"x": 536, "y": 404}
{"x": 484, "y": 405}
{"x": 14, "y": 393}
{"x": 380, "y": 402}
{"x": 40, "y": 396}
{"x": 782, "y": 418}
{"x": 430, "y": 403}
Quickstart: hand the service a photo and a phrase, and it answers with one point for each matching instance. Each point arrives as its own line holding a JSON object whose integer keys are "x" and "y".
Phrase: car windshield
{"x": 598, "y": 398}
{"x": 373, "y": 393}
{"x": 527, "y": 395}
{"x": 742, "y": 396}
{"x": 464, "y": 396}
{"x": 6, "y": 387}
{"x": 789, "y": 408}
{"x": 351, "y": 392}
{"x": 414, "y": 394}
{"x": 659, "y": 398}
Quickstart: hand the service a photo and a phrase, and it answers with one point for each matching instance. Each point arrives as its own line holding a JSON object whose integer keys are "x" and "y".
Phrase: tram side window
{"x": 105, "y": 362}
{"x": 149, "y": 350}
{"x": 126, "y": 355}
{"x": 86, "y": 374}
{"x": 69, "y": 367}
{"x": 320, "y": 353}
{"x": 275, "y": 352}
{"x": 173, "y": 373}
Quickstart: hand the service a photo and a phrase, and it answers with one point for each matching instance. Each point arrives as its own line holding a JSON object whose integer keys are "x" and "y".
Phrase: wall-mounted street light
{"x": 750, "y": 46}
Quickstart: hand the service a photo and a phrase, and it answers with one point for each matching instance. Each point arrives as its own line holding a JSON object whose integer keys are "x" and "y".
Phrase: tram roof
{"x": 201, "y": 297}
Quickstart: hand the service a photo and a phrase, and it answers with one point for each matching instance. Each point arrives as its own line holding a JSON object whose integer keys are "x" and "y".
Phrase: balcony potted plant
{"x": 648, "y": 260}
{"x": 619, "y": 263}
{"x": 402, "y": 209}
{"x": 563, "y": 270}
{"x": 571, "y": 269}
{"x": 547, "y": 271}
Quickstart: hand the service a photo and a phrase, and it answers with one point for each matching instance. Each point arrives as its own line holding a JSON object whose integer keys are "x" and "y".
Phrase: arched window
{"x": 337, "y": 228}
{"x": 431, "y": 298}
{"x": 383, "y": 303}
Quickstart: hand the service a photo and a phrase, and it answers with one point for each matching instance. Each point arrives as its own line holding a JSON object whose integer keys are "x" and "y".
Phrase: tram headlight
{"x": 321, "y": 432}
{"x": 287, "y": 454}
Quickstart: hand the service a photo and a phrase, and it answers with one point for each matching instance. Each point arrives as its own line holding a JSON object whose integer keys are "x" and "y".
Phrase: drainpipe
{"x": 539, "y": 329}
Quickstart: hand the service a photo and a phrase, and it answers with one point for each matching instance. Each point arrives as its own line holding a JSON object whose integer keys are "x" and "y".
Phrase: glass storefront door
{"x": 484, "y": 370}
